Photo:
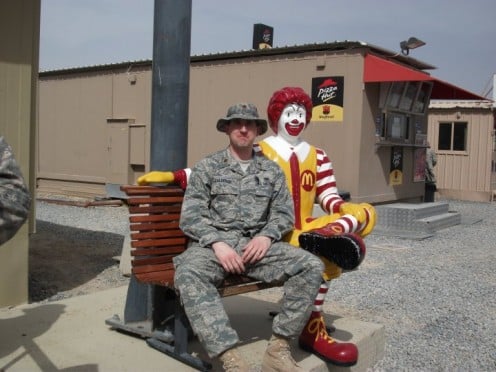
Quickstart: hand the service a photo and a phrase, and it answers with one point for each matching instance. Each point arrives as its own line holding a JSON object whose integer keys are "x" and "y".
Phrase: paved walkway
{"x": 72, "y": 335}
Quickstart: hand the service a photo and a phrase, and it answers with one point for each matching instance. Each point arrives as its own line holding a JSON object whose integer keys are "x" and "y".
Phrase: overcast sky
{"x": 460, "y": 35}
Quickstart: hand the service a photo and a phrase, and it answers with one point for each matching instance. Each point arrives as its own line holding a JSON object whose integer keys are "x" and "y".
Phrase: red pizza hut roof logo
{"x": 327, "y": 83}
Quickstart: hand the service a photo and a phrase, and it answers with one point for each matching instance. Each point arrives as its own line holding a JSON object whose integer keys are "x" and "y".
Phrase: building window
{"x": 452, "y": 136}
{"x": 409, "y": 97}
{"x": 397, "y": 126}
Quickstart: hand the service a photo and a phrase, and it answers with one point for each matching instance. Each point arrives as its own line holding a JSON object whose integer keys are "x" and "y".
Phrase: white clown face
{"x": 291, "y": 123}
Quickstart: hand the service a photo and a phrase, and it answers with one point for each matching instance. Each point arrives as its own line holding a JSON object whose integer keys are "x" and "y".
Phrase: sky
{"x": 460, "y": 35}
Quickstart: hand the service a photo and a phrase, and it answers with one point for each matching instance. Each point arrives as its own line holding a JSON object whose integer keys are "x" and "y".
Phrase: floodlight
{"x": 411, "y": 43}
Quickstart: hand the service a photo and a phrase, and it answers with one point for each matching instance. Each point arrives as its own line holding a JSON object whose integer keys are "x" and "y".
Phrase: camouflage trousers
{"x": 198, "y": 273}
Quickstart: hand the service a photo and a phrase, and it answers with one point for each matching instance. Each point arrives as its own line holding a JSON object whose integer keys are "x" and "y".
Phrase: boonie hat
{"x": 246, "y": 111}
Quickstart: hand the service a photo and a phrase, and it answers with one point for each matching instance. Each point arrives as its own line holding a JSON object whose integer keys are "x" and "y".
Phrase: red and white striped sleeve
{"x": 327, "y": 191}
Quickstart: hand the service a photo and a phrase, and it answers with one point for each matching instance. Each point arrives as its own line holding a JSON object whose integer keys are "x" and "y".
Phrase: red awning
{"x": 377, "y": 70}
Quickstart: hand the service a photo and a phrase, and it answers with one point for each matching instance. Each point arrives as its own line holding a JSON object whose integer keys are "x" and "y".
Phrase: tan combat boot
{"x": 232, "y": 361}
{"x": 278, "y": 357}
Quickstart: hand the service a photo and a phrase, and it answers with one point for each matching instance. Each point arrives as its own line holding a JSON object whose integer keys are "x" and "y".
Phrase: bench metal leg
{"x": 179, "y": 350}
{"x": 148, "y": 313}
{"x": 145, "y": 309}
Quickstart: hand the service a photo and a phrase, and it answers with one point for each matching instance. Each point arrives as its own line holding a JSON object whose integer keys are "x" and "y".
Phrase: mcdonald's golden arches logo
{"x": 307, "y": 180}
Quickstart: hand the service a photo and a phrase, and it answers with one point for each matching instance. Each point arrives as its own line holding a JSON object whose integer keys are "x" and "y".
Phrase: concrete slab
{"x": 71, "y": 335}
{"x": 250, "y": 317}
{"x": 125, "y": 258}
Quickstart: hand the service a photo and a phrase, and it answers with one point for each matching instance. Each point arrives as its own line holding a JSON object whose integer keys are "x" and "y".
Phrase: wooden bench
{"x": 156, "y": 239}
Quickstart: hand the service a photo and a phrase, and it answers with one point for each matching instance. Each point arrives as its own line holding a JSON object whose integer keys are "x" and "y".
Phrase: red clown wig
{"x": 286, "y": 96}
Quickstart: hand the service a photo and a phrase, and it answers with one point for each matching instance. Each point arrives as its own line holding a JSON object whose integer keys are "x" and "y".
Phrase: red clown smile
{"x": 294, "y": 130}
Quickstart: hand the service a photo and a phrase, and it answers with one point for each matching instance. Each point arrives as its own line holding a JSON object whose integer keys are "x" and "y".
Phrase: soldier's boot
{"x": 315, "y": 340}
{"x": 277, "y": 357}
{"x": 347, "y": 250}
{"x": 233, "y": 362}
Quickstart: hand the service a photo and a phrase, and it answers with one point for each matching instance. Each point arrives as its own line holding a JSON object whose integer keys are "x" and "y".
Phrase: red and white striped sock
{"x": 319, "y": 300}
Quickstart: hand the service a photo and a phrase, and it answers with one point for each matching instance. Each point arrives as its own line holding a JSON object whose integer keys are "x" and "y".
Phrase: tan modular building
{"x": 462, "y": 134}
{"x": 370, "y": 115}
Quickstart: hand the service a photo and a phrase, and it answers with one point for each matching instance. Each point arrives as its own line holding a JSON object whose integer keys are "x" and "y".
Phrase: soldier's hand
{"x": 256, "y": 249}
{"x": 228, "y": 258}
{"x": 155, "y": 177}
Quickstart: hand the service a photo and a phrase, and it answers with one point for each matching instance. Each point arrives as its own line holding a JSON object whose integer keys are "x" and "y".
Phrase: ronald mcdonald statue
{"x": 335, "y": 237}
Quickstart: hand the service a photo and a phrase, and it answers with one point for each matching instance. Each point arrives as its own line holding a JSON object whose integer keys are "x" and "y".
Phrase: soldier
{"x": 236, "y": 209}
{"x": 14, "y": 195}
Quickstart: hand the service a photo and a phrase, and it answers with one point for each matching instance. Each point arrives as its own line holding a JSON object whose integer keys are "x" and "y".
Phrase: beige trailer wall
{"x": 217, "y": 85}
{"x": 100, "y": 121}
{"x": 88, "y": 125}
{"x": 19, "y": 40}
{"x": 464, "y": 175}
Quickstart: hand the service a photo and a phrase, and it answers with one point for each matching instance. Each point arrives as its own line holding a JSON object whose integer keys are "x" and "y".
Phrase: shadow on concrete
{"x": 62, "y": 258}
{"x": 18, "y": 338}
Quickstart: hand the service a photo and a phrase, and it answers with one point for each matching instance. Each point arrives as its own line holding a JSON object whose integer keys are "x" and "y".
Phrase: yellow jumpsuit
{"x": 302, "y": 185}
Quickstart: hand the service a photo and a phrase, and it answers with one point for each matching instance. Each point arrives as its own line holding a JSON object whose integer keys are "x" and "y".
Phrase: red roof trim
{"x": 444, "y": 90}
{"x": 378, "y": 69}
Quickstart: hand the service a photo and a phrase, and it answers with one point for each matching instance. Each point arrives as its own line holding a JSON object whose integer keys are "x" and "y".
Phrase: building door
{"x": 118, "y": 151}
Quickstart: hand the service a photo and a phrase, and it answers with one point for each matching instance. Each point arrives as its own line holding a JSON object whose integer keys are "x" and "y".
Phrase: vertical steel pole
{"x": 169, "y": 133}
{"x": 170, "y": 84}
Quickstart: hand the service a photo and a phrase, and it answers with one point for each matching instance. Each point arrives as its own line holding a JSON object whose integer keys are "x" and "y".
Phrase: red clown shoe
{"x": 347, "y": 250}
{"x": 314, "y": 339}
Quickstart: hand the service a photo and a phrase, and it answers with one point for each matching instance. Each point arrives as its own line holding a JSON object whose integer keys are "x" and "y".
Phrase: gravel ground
{"x": 435, "y": 297}
{"x": 74, "y": 250}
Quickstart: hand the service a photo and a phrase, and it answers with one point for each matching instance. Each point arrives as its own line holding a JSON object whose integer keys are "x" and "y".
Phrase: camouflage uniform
{"x": 14, "y": 195}
{"x": 222, "y": 203}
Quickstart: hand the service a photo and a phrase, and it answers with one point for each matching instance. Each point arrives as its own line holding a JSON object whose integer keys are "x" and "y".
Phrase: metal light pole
{"x": 148, "y": 305}
{"x": 170, "y": 84}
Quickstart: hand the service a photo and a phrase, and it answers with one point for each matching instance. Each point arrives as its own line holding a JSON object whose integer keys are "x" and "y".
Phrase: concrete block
{"x": 249, "y": 315}
{"x": 125, "y": 259}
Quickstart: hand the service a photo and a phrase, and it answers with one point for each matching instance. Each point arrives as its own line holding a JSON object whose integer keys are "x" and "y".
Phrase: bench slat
{"x": 154, "y": 218}
{"x": 164, "y": 278}
{"x": 153, "y": 268}
{"x": 155, "y": 200}
{"x": 157, "y": 242}
{"x": 151, "y": 260}
{"x": 154, "y": 225}
{"x": 156, "y": 234}
{"x": 170, "y": 250}
{"x": 132, "y": 190}
{"x": 145, "y": 209}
